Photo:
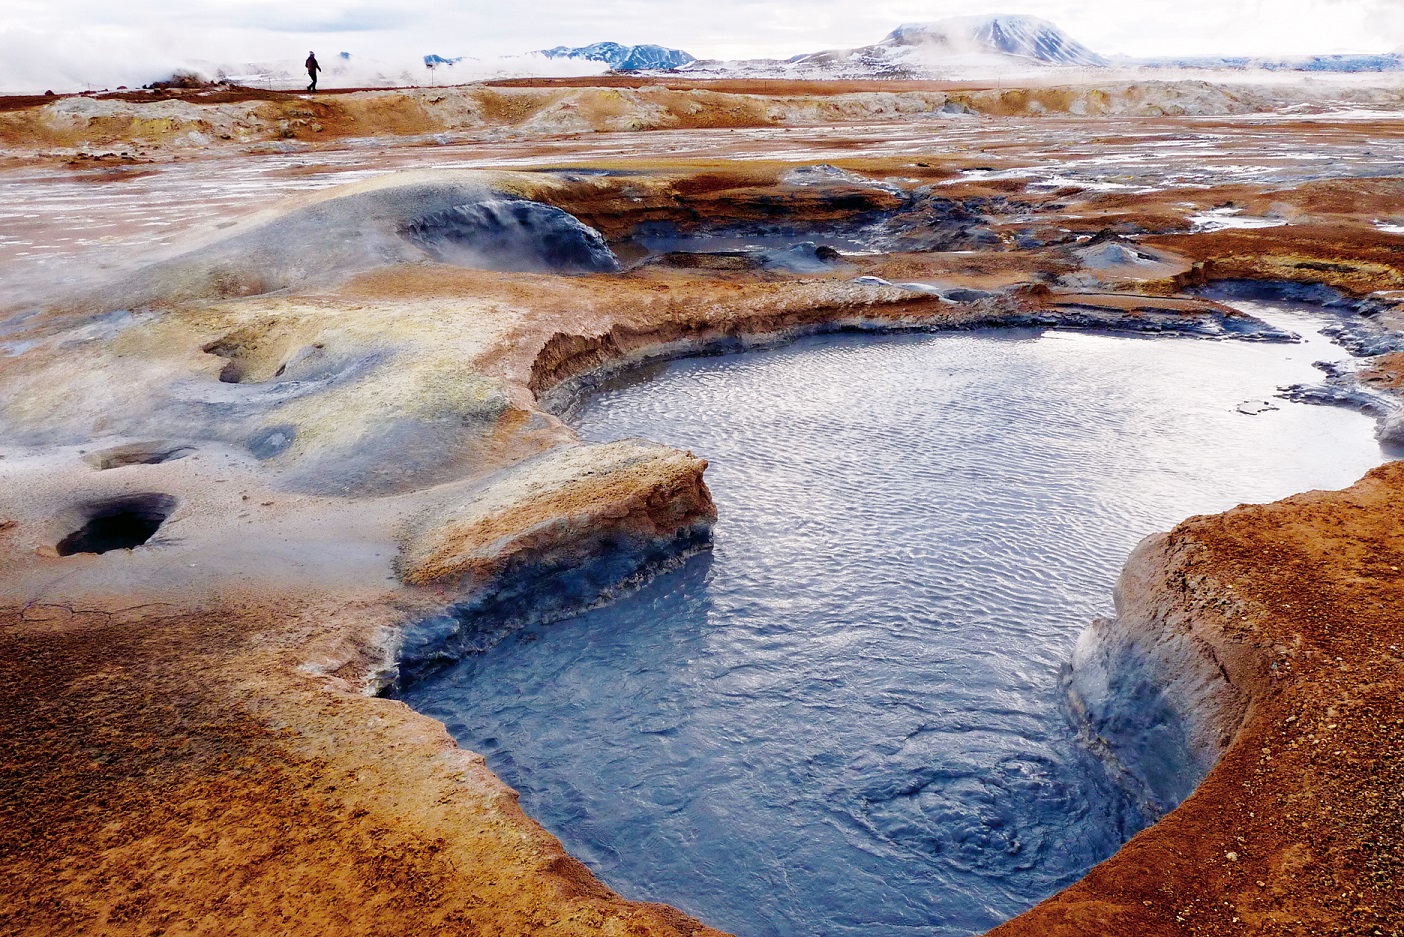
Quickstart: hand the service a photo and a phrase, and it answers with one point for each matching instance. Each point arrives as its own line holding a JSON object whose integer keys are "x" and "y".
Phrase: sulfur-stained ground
{"x": 352, "y": 435}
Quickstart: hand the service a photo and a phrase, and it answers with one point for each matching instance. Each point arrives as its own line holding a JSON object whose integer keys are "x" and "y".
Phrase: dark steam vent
{"x": 119, "y": 524}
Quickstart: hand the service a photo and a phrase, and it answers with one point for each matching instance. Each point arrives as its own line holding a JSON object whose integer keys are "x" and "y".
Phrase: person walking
{"x": 312, "y": 69}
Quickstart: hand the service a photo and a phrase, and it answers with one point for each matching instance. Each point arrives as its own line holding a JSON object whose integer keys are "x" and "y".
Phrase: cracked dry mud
{"x": 251, "y": 333}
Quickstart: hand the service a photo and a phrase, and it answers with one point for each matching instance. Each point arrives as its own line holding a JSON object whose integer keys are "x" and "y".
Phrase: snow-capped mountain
{"x": 1022, "y": 36}
{"x": 1008, "y": 45}
{"x": 622, "y": 58}
{"x": 955, "y": 47}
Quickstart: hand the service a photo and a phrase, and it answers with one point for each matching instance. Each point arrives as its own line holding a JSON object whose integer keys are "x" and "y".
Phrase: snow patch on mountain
{"x": 622, "y": 58}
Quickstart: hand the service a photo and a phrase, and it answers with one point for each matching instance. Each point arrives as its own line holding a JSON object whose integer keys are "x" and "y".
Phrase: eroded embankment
{"x": 554, "y": 536}
{"x": 570, "y": 363}
{"x": 1357, "y": 262}
{"x": 1276, "y": 629}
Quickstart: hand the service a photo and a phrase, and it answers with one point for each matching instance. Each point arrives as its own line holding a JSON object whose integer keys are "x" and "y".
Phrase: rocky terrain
{"x": 135, "y": 123}
{"x": 265, "y": 454}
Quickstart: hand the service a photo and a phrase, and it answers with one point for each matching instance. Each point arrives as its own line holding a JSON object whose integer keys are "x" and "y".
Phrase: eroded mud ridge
{"x": 309, "y": 446}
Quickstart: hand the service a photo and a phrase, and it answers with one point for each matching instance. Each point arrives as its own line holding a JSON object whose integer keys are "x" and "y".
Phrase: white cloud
{"x": 72, "y": 44}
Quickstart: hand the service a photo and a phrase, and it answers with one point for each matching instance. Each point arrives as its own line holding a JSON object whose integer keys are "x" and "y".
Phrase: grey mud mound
{"x": 447, "y": 217}
{"x": 516, "y": 235}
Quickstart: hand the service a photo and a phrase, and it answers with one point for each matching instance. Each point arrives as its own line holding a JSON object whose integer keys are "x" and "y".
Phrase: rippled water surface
{"x": 845, "y": 720}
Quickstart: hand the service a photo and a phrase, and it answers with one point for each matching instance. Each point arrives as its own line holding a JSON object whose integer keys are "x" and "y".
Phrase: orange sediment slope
{"x": 178, "y": 771}
{"x": 1300, "y": 826}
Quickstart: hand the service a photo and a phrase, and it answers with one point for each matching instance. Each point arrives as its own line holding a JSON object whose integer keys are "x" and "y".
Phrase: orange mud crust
{"x": 162, "y": 776}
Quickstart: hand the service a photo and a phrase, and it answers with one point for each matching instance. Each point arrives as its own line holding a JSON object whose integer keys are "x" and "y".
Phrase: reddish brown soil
{"x": 1356, "y": 260}
{"x": 1386, "y": 371}
{"x": 139, "y": 795}
{"x": 222, "y": 94}
{"x": 23, "y": 102}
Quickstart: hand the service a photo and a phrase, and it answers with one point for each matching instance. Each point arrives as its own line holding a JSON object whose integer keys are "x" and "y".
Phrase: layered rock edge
{"x": 561, "y": 533}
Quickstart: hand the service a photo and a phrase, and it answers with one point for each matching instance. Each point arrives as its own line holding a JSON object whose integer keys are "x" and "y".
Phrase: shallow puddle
{"x": 846, "y": 718}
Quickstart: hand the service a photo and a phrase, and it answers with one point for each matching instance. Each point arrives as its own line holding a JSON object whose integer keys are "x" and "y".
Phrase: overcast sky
{"x": 72, "y": 43}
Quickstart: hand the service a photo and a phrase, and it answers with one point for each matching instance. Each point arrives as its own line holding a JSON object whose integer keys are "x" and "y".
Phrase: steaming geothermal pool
{"x": 846, "y": 719}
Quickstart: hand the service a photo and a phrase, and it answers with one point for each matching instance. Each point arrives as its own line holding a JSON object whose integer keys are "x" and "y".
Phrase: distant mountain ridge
{"x": 1339, "y": 63}
{"x": 622, "y": 58}
{"x": 963, "y": 46}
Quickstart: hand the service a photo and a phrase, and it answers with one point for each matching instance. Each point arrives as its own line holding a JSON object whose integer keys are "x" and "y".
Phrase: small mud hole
{"x": 118, "y": 524}
{"x": 231, "y": 348}
{"x": 272, "y": 441}
{"x": 139, "y": 453}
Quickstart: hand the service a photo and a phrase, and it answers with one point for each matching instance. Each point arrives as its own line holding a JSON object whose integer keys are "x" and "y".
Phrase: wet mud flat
{"x": 248, "y": 486}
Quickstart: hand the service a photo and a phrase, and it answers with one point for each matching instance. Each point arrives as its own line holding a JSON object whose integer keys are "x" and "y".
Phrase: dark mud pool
{"x": 846, "y": 718}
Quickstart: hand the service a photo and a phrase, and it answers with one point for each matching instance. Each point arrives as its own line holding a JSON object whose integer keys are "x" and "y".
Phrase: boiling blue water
{"x": 845, "y": 719}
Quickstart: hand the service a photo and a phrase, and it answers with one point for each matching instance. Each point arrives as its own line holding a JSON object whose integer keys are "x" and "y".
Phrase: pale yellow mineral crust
{"x": 556, "y": 503}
